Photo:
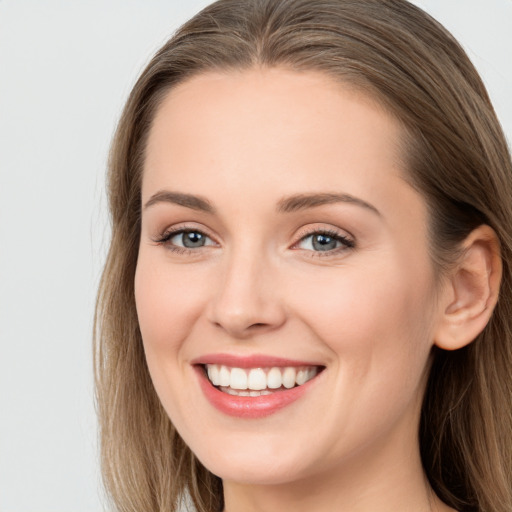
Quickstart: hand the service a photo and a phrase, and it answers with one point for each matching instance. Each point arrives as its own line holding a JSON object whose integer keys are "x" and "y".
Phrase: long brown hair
{"x": 457, "y": 157}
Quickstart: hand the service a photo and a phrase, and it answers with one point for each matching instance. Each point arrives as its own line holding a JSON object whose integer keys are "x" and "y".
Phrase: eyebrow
{"x": 289, "y": 204}
{"x": 303, "y": 201}
{"x": 188, "y": 200}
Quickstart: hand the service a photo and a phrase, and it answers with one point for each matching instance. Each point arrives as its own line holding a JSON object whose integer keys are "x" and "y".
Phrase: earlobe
{"x": 471, "y": 292}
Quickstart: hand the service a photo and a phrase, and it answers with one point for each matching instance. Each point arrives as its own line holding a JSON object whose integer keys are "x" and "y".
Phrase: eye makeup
{"x": 317, "y": 241}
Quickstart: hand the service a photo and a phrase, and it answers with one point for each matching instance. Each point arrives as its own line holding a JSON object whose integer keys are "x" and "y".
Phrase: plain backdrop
{"x": 66, "y": 67}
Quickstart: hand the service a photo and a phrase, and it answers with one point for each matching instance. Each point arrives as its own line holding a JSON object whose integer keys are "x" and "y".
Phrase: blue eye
{"x": 189, "y": 239}
{"x": 185, "y": 239}
{"x": 322, "y": 241}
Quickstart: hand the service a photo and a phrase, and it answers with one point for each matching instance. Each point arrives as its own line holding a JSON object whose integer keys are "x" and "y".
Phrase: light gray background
{"x": 65, "y": 69}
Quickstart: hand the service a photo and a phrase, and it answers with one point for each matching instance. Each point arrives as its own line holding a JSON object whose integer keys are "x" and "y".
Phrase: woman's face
{"x": 281, "y": 245}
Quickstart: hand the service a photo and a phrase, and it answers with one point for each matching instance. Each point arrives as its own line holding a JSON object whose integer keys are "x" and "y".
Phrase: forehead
{"x": 260, "y": 134}
{"x": 262, "y": 116}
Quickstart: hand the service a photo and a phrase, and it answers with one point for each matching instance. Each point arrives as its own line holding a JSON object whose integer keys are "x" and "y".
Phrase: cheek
{"x": 380, "y": 316}
{"x": 169, "y": 301}
{"x": 377, "y": 327}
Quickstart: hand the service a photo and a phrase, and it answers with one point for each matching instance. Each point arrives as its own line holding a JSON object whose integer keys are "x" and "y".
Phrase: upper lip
{"x": 250, "y": 361}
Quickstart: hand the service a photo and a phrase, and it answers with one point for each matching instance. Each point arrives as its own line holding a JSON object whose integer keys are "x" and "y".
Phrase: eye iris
{"x": 193, "y": 239}
{"x": 324, "y": 242}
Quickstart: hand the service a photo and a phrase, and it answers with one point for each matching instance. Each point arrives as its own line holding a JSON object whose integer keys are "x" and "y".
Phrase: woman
{"x": 307, "y": 299}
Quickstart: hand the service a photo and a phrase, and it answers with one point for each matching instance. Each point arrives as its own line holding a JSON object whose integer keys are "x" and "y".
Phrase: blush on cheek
{"x": 168, "y": 305}
{"x": 376, "y": 315}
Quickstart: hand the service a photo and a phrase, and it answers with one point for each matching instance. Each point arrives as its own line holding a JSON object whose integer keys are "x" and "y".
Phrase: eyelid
{"x": 347, "y": 240}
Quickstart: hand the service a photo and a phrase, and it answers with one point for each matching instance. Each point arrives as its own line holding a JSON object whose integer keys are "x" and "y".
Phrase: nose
{"x": 247, "y": 301}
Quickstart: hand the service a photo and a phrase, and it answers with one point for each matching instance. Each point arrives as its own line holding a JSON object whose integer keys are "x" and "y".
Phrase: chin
{"x": 255, "y": 462}
{"x": 250, "y": 472}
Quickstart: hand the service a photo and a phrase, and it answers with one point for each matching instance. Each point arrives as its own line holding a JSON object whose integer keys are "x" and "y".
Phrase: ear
{"x": 471, "y": 290}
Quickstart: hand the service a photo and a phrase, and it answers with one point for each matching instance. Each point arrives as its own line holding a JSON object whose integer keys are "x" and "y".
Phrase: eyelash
{"x": 347, "y": 243}
{"x": 167, "y": 235}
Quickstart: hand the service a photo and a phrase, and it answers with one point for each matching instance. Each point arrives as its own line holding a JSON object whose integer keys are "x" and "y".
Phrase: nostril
{"x": 246, "y": 318}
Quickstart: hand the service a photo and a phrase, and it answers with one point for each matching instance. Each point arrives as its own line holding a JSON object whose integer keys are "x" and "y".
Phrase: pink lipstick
{"x": 253, "y": 386}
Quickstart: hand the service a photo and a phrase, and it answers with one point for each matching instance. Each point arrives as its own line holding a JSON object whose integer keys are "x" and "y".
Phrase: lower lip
{"x": 250, "y": 407}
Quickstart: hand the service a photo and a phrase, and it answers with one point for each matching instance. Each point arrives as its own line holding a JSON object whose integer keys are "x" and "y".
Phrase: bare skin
{"x": 364, "y": 305}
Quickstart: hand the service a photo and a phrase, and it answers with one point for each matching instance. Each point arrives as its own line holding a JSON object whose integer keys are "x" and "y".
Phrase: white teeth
{"x": 274, "y": 379}
{"x": 311, "y": 372}
{"x": 238, "y": 379}
{"x": 302, "y": 377}
{"x": 224, "y": 376}
{"x": 258, "y": 381}
{"x": 289, "y": 375}
{"x": 236, "y": 392}
{"x": 213, "y": 374}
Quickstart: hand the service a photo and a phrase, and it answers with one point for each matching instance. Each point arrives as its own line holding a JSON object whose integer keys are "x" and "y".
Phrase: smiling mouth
{"x": 258, "y": 381}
